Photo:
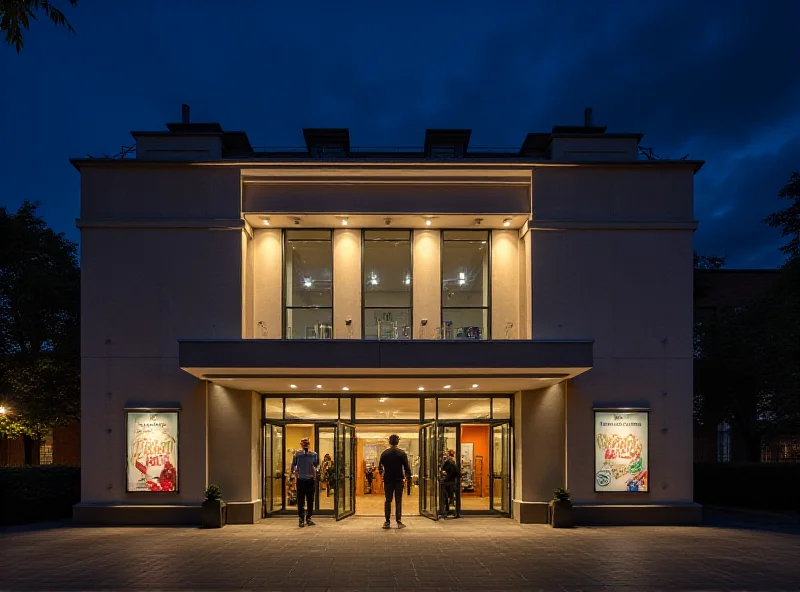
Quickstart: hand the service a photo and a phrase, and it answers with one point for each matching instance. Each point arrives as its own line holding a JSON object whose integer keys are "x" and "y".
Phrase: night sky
{"x": 717, "y": 80}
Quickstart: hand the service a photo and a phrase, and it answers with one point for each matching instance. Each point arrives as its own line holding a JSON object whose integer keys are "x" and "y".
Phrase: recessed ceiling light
{"x": 266, "y": 221}
{"x": 446, "y": 386}
{"x": 422, "y": 388}
{"x": 344, "y": 388}
{"x": 428, "y": 222}
{"x": 507, "y": 222}
{"x": 474, "y": 386}
{"x": 344, "y": 221}
{"x": 320, "y": 386}
{"x": 292, "y": 386}
{"x": 383, "y": 399}
{"x": 324, "y": 404}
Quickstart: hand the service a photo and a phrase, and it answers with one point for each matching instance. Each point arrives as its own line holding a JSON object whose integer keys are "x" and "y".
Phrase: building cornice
{"x": 166, "y": 223}
{"x": 550, "y": 225}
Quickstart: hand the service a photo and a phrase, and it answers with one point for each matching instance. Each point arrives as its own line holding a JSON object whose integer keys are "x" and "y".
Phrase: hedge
{"x": 35, "y": 493}
{"x": 768, "y": 486}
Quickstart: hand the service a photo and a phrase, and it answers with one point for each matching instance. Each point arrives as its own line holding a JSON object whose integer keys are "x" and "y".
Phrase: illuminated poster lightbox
{"x": 620, "y": 450}
{"x": 152, "y": 450}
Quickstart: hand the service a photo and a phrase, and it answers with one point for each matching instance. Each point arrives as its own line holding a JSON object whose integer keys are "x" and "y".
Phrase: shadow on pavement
{"x": 746, "y": 519}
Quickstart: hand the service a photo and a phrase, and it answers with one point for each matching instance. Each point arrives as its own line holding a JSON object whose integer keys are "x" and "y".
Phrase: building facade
{"x": 530, "y": 310}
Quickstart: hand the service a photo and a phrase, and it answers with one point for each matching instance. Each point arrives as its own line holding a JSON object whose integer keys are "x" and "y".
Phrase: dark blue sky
{"x": 717, "y": 80}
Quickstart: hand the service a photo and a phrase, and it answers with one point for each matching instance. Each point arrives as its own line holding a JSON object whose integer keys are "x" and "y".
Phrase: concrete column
{"x": 505, "y": 283}
{"x": 539, "y": 450}
{"x": 234, "y": 458}
{"x": 427, "y": 282}
{"x": 267, "y": 282}
{"x": 525, "y": 287}
{"x": 346, "y": 283}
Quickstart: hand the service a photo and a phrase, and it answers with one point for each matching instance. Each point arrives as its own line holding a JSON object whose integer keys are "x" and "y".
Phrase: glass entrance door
{"x": 428, "y": 471}
{"x": 274, "y": 479}
{"x": 501, "y": 468}
{"x": 345, "y": 463}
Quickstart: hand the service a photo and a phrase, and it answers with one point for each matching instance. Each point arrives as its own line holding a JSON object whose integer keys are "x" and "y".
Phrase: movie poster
{"x": 152, "y": 438}
{"x": 621, "y": 456}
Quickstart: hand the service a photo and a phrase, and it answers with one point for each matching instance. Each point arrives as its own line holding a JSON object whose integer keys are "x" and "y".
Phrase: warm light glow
{"x": 292, "y": 386}
{"x": 344, "y": 221}
{"x": 507, "y": 222}
{"x": 320, "y": 386}
{"x": 428, "y": 222}
{"x": 383, "y": 399}
{"x": 422, "y": 388}
{"x": 446, "y": 386}
{"x": 2, "y": 410}
{"x": 474, "y": 386}
{"x": 308, "y": 282}
{"x": 344, "y": 388}
{"x": 407, "y": 280}
{"x": 266, "y": 221}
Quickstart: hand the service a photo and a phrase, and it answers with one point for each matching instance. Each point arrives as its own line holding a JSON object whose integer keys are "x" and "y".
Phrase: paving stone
{"x": 481, "y": 554}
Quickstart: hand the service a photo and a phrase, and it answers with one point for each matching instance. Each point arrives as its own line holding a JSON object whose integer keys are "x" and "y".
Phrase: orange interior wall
{"x": 479, "y": 436}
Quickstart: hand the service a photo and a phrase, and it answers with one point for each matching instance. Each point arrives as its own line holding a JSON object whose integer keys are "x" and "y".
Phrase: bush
{"x": 748, "y": 485}
{"x": 35, "y": 493}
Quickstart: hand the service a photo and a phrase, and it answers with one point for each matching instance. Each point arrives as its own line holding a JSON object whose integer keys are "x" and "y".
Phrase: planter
{"x": 213, "y": 514}
{"x": 561, "y": 512}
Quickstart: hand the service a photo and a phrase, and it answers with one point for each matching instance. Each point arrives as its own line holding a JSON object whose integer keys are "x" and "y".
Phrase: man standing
{"x": 394, "y": 467}
{"x": 450, "y": 475}
{"x": 304, "y": 466}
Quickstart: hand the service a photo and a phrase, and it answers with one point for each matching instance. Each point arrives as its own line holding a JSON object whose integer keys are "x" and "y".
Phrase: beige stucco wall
{"x": 525, "y": 287}
{"x": 630, "y": 290}
{"x": 149, "y": 278}
{"x": 505, "y": 283}
{"x": 347, "y": 283}
{"x": 234, "y": 438}
{"x": 427, "y": 281}
{"x": 267, "y": 281}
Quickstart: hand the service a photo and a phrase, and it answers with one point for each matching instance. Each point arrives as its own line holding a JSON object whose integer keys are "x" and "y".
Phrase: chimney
{"x": 184, "y": 113}
{"x": 587, "y": 117}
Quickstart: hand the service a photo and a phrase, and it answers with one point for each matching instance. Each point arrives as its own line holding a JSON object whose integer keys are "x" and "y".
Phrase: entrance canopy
{"x": 357, "y": 366}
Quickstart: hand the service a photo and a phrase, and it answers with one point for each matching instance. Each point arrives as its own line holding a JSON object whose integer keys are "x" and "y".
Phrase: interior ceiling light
{"x": 407, "y": 280}
{"x": 507, "y": 222}
{"x": 308, "y": 282}
{"x": 373, "y": 279}
{"x": 383, "y": 399}
{"x": 474, "y": 386}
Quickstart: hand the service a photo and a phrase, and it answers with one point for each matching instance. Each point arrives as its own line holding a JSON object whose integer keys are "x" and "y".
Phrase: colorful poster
{"x": 621, "y": 457}
{"x": 152, "y": 438}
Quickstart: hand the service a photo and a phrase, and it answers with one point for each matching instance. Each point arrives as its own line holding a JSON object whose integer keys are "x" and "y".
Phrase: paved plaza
{"x": 730, "y": 553}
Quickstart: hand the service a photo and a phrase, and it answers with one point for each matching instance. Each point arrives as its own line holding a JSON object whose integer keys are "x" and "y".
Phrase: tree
{"x": 706, "y": 262}
{"x": 15, "y": 15}
{"x": 39, "y": 326}
{"x": 788, "y": 219}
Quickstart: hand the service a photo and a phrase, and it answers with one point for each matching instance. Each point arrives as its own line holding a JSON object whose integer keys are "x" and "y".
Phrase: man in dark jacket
{"x": 449, "y": 478}
{"x": 394, "y": 468}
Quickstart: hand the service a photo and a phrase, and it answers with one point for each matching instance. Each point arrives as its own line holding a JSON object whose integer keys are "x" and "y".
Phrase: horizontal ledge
{"x": 389, "y": 376}
{"x": 198, "y": 223}
{"x": 546, "y": 225}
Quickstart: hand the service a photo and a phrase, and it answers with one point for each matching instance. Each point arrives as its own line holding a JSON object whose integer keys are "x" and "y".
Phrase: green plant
{"x": 561, "y": 495}
{"x": 213, "y": 493}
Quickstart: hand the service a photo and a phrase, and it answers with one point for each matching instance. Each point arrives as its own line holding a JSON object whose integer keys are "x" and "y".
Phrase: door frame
{"x": 426, "y": 457}
{"x": 267, "y": 495}
{"x": 340, "y": 450}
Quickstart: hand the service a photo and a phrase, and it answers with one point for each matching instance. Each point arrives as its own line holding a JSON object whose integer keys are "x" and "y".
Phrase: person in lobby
{"x": 394, "y": 468}
{"x": 304, "y": 465}
{"x": 449, "y": 476}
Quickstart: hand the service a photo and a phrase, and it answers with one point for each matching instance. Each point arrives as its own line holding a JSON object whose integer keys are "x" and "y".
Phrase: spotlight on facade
{"x": 422, "y": 388}
{"x": 428, "y": 222}
{"x": 344, "y": 221}
{"x": 507, "y": 222}
{"x": 344, "y": 388}
{"x": 447, "y": 386}
{"x": 266, "y": 221}
{"x": 292, "y": 386}
{"x": 319, "y": 386}
{"x": 474, "y": 386}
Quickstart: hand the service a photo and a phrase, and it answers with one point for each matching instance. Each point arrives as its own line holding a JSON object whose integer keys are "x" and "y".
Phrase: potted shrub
{"x": 561, "y": 509}
{"x": 212, "y": 513}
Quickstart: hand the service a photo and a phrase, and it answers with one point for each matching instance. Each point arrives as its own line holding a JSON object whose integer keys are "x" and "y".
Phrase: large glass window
{"x": 387, "y": 284}
{"x": 466, "y": 284}
{"x": 308, "y": 284}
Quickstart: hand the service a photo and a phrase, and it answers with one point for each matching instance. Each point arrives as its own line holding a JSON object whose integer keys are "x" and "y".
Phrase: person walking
{"x": 450, "y": 474}
{"x": 304, "y": 465}
{"x": 393, "y": 467}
